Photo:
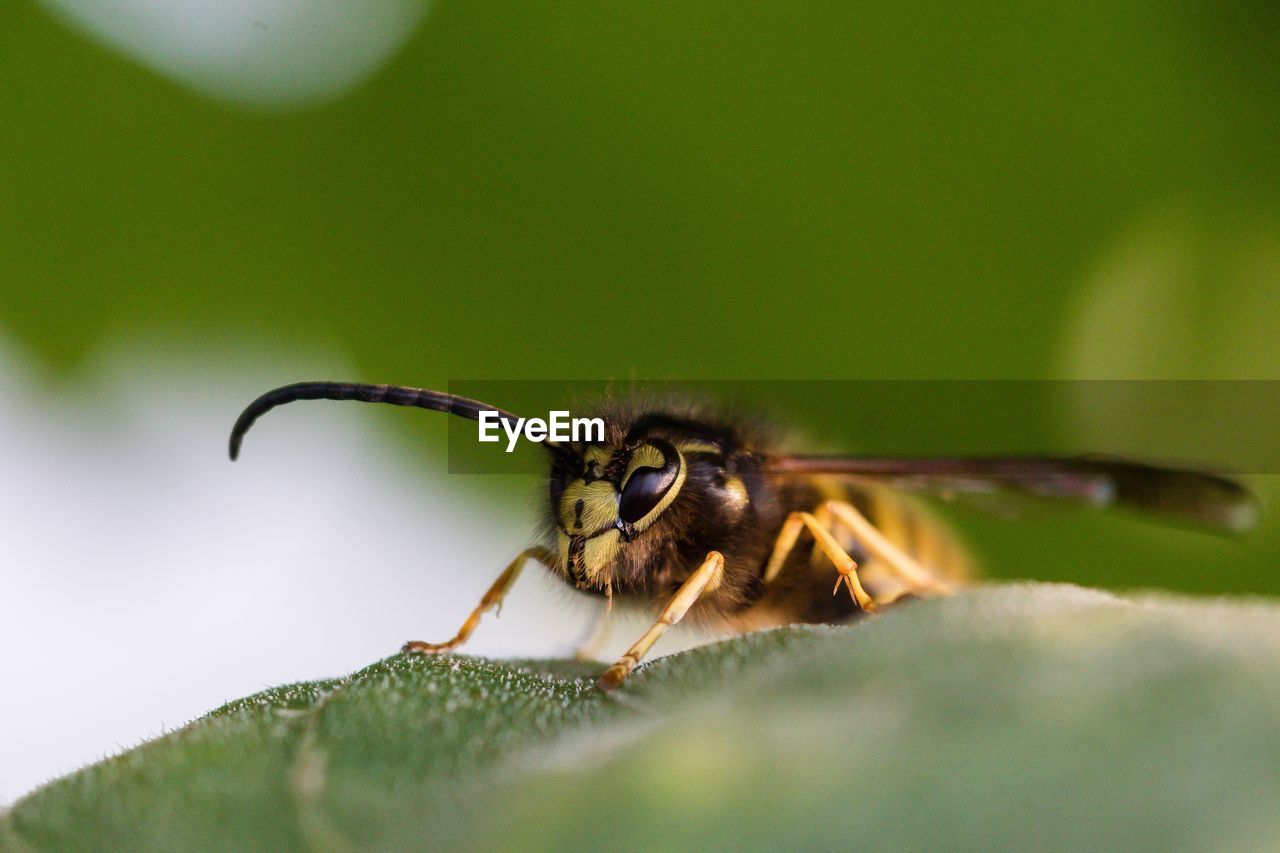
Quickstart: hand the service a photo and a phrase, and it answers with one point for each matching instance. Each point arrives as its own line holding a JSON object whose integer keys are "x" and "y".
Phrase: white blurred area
{"x": 263, "y": 53}
{"x": 145, "y": 579}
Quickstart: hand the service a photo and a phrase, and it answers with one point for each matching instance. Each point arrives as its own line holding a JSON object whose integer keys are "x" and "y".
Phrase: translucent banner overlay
{"x": 1229, "y": 426}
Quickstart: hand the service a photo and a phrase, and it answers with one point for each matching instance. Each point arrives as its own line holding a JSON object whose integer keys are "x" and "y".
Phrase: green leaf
{"x": 1011, "y": 716}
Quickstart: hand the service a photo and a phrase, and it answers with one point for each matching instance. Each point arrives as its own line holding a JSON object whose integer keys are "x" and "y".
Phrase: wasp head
{"x": 646, "y": 486}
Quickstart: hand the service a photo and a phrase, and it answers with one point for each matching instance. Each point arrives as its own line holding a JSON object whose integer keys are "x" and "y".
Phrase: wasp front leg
{"x": 706, "y": 578}
{"x": 492, "y": 598}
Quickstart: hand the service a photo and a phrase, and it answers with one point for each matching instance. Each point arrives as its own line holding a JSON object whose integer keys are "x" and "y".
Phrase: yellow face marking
{"x": 644, "y": 456}
{"x": 695, "y": 446}
{"x": 598, "y": 454}
{"x": 599, "y": 556}
{"x": 588, "y": 507}
{"x": 563, "y": 555}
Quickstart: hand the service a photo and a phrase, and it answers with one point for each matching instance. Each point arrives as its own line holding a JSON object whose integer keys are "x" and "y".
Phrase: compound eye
{"x": 654, "y": 471}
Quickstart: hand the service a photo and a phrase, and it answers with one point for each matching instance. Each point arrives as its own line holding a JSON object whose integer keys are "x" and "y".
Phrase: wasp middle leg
{"x": 492, "y": 598}
{"x": 914, "y": 577}
{"x": 845, "y": 565}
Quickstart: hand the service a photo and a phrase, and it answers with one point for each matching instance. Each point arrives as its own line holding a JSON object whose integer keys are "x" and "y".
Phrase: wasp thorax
{"x": 617, "y": 494}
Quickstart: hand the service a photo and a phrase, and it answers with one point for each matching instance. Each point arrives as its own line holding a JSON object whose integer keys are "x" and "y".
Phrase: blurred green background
{"x": 700, "y": 190}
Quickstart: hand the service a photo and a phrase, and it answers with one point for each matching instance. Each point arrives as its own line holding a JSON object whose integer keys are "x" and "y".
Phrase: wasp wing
{"x": 1176, "y": 494}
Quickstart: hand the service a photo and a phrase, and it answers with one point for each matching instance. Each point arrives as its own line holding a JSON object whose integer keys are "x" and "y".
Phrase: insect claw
{"x": 852, "y": 594}
{"x": 612, "y": 678}
{"x": 843, "y": 578}
{"x": 417, "y": 647}
{"x": 846, "y": 578}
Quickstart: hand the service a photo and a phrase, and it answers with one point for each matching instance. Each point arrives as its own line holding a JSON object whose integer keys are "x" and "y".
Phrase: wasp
{"x": 685, "y": 512}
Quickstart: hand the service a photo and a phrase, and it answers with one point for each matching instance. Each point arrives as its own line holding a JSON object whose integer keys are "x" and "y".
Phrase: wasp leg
{"x": 597, "y": 636}
{"x": 823, "y": 515}
{"x": 492, "y": 598}
{"x": 706, "y": 578}
{"x": 844, "y": 564}
{"x": 901, "y": 565}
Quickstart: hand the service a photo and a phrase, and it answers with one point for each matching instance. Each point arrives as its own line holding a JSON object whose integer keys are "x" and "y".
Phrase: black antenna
{"x": 396, "y": 395}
